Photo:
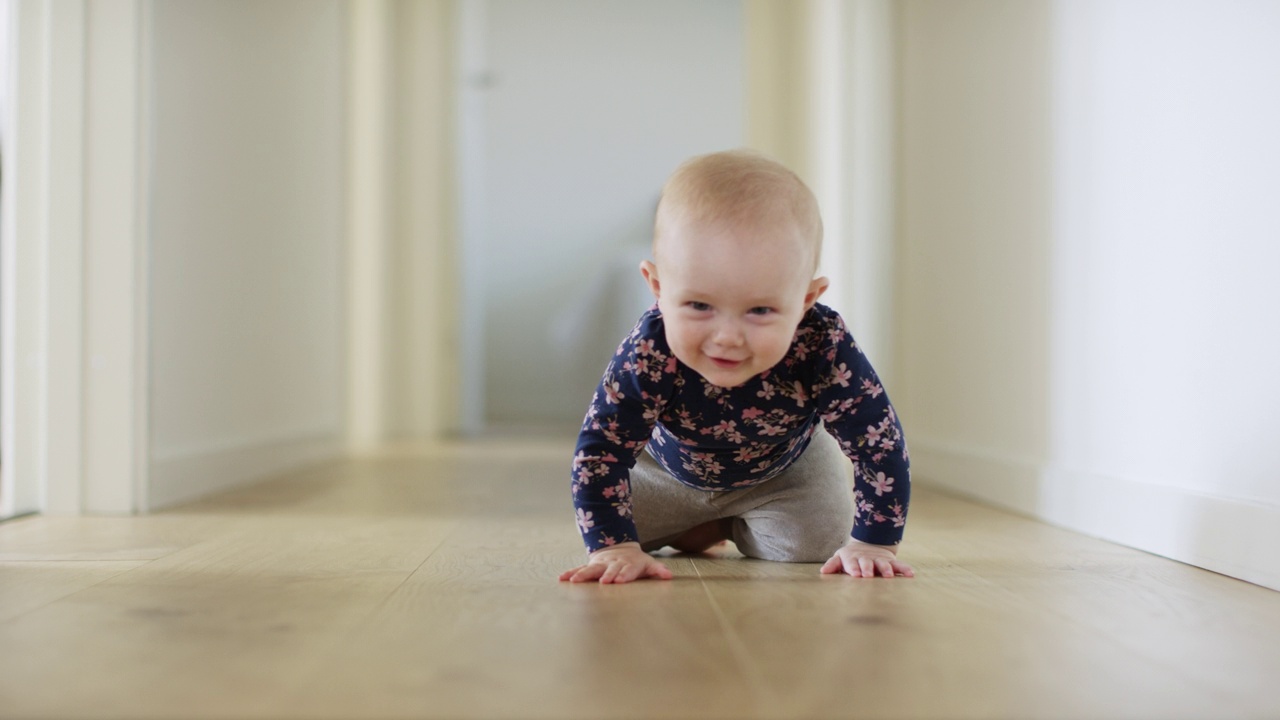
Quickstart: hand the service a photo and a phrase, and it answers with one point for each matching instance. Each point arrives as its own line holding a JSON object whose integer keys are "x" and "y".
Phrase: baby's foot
{"x": 702, "y": 538}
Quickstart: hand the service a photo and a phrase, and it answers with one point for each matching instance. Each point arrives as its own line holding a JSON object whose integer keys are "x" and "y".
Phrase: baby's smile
{"x": 726, "y": 363}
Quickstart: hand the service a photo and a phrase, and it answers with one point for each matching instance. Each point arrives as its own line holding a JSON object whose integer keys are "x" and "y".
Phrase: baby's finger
{"x": 846, "y": 566}
{"x": 627, "y": 573}
{"x": 659, "y": 571}
{"x": 833, "y": 565}
{"x": 851, "y": 566}
{"x": 569, "y": 574}
{"x": 610, "y": 573}
{"x": 903, "y": 569}
{"x": 885, "y": 567}
{"x": 586, "y": 573}
{"x": 867, "y": 566}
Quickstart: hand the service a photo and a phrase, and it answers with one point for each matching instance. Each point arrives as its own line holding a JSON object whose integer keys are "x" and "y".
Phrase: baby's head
{"x": 740, "y": 189}
{"x": 736, "y": 244}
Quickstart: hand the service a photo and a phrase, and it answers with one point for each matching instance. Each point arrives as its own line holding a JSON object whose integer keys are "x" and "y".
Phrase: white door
{"x": 573, "y": 112}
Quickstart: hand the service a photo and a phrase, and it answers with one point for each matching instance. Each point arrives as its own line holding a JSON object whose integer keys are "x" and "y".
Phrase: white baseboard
{"x": 181, "y": 476}
{"x": 1226, "y": 535}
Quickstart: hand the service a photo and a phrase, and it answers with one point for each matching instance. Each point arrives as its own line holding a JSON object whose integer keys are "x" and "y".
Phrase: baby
{"x": 705, "y": 426}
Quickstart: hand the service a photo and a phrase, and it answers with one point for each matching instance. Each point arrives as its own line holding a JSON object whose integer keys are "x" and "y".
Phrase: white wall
{"x": 247, "y": 212}
{"x": 580, "y": 110}
{"x": 1088, "y": 234}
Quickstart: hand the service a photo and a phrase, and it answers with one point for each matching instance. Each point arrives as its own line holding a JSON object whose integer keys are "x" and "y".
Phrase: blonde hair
{"x": 737, "y": 187}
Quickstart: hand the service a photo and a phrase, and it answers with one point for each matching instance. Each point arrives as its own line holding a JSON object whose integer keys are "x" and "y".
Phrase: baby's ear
{"x": 816, "y": 287}
{"x": 650, "y": 273}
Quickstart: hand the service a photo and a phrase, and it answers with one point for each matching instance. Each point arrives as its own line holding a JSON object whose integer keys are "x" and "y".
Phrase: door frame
{"x": 76, "y": 289}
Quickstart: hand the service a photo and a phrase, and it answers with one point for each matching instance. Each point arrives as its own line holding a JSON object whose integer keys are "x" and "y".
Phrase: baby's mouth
{"x": 725, "y": 363}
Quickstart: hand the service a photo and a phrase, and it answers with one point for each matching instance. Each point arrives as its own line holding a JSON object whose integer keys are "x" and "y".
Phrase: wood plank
{"x": 485, "y": 630}
{"x": 214, "y": 630}
{"x": 942, "y": 645}
{"x": 98, "y": 538}
{"x": 1164, "y": 613}
{"x": 26, "y": 586}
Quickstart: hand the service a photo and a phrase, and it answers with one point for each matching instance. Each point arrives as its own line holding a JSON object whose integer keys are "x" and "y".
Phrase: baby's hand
{"x": 619, "y": 563}
{"x": 861, "y": 559}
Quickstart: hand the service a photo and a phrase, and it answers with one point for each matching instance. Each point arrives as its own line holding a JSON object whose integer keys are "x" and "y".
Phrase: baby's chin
{"x": 730, "y": 378}
{"x": 726, "y": 380}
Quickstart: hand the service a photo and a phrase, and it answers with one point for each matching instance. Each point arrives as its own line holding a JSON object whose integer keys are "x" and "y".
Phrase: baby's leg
{"x": 668, "y": 512}
{"x": 804, "y": 514}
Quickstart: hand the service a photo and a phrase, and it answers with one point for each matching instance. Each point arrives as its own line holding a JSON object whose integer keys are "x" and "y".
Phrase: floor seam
{"x": 739, "y": 649}
{"x": 77, "y": 591}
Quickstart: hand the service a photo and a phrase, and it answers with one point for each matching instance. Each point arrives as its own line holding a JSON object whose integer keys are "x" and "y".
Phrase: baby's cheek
{"x": 681, "y": 345}
{"x": 779, "y": 352}
{"x": 775, "y": 343}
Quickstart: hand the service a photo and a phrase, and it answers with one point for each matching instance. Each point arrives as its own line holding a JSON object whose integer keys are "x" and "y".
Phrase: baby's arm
{"x": 858, "y": 414}
{"x": 619, "y": 563}
{"x": 621, "y": 418}
{"x": 861, "y": 559}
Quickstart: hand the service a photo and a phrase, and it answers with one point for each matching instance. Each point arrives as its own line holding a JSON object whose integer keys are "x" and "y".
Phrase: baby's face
{"x": 731, "y": 302}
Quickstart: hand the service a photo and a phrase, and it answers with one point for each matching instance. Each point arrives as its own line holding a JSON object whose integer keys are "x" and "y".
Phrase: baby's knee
{"x": 802, "y": 541}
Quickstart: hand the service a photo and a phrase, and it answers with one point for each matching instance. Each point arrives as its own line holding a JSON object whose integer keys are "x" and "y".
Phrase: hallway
{"x": 423, "y": 585}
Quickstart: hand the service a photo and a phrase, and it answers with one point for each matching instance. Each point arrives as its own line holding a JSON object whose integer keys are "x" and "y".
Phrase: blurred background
{"x": 245, "y": 235}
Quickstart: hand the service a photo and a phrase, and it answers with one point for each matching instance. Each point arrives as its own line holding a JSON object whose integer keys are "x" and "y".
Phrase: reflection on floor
{"x": 423, "y": 585}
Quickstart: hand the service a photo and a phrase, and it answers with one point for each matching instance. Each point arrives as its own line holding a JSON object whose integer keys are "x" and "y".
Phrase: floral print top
{"x": 717, "y": 439}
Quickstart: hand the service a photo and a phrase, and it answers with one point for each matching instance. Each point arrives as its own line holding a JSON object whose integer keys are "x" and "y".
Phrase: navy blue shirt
{"x": 716, "y": 439}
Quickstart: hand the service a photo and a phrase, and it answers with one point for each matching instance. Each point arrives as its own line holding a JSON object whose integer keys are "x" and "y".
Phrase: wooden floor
{"x": 424, "y": 586}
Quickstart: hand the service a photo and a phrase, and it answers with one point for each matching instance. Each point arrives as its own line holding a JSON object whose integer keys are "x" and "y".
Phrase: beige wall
{"x": 974, "y": 227}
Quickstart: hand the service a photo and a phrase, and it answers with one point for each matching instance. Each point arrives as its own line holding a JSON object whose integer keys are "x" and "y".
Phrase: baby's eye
{"x": 760, "y": 310}
{"x": 699, "y": 306}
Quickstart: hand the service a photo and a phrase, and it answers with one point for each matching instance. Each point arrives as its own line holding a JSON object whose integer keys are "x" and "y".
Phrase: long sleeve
{"x": 626, "y": 405}
{"x": 857, "y": 412}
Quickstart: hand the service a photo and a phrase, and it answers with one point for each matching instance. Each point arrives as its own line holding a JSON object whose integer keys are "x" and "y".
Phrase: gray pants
{"x": 802, "y": 515}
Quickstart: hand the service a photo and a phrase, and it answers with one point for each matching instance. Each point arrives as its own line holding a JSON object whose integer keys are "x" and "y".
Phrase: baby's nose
{"x": 729, "y": 334}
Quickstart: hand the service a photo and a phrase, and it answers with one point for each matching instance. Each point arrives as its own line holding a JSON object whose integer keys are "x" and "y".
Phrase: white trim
{"x": 867, "y": 272}
{"x": 368, "y": 220}
{"x": 25, "y": 288}
{"x": 115, "y": 374}
{"x": 425, "y": 208}
{"x": 473, "y": 70}
{"x": 1232, "y": 536}
{"x": 65, "y": 212}
{"x": 75, "y": 304}
{"x": 184, "y": 476}
{"x": 142, "y": 262}
{"x": 826, "y": 151}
